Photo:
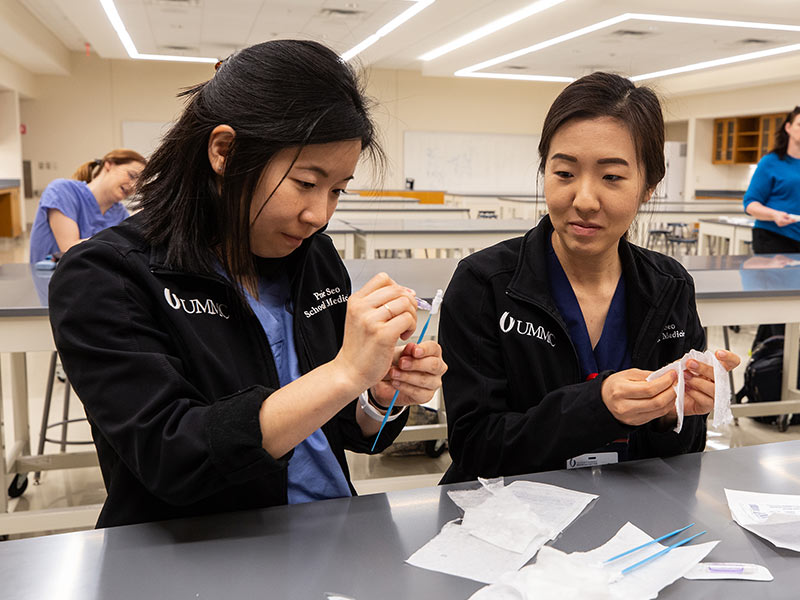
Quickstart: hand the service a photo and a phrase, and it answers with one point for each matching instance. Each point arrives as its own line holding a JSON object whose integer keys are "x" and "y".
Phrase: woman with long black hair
{"x": 213, "y": 338}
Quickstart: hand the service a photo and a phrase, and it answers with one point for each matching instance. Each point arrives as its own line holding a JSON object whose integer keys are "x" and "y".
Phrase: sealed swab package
{"x": 722, "y": 386}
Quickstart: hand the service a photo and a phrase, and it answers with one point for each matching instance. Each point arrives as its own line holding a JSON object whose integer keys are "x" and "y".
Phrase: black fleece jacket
{"x": 513, "y": 391}
{"x": 172, "y": 368}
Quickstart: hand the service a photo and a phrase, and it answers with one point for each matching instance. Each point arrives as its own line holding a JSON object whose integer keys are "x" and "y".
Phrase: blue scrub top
{"x": 776, "y": 184}
{"x": 612, "y": 352}
{"x": 314, "y": 472}
{"x": 75, "y": 200}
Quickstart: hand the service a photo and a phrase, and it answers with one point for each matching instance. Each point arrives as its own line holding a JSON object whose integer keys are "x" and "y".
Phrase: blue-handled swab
{"x": 437, "y": 301}
{"x": 663, "y": 537}
{"x": 662, "y": 552}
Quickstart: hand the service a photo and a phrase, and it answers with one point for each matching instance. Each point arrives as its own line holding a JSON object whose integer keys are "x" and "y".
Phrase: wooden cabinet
{"x": 724, "y": 135}
{"x": 744, "y": 140}
{"x": 10, "y": 217}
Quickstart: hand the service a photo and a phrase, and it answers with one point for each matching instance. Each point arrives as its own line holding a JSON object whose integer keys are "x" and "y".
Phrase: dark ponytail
{"x": 781, "y": 137}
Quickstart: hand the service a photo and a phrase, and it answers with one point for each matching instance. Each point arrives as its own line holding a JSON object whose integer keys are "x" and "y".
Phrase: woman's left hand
{"x": 416, "y": 371}
{"x": 699, "y": 387}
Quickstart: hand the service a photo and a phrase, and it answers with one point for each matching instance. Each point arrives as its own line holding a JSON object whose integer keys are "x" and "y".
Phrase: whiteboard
{"x": 471, "y": 163}
{"x": 143, "y": 136}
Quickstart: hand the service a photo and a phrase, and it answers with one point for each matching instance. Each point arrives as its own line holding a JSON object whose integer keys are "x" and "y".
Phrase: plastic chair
{"x": 658, "y": 237}
{"x": 681, "y": 237}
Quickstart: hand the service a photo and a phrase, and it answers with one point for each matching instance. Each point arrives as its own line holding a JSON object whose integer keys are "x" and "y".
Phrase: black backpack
{"x": 763, "y": 376}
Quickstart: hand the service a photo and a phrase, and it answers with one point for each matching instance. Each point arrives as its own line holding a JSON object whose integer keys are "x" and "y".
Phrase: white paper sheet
{"x": 581, "y": 575}
{"x": 722, "y": 386}
{"x": 502, "y": 528}
{"x": 774, "y": 517}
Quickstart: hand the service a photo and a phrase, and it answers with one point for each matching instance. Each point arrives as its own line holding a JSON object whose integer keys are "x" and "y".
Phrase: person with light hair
{"x": 73, "y": 210}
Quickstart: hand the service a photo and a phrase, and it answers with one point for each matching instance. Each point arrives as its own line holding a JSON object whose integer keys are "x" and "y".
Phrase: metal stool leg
{"x": 48, "y": 398}
{"x": 66, "y": 417}
{"x": 727, "y": 343}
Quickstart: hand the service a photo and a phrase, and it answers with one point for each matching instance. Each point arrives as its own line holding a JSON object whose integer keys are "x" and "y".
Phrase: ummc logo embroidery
{"x": 509, "y": 323}
{"x": 193, "y": 306}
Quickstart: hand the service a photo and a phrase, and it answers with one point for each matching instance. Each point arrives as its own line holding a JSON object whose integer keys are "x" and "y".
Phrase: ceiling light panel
{"x": 636, "y": 47}
{"x": 640, "y": 45}
{"x": 415, "y": 7}
{"x": 122, "y": 32}
{"x": 490, "y": 28}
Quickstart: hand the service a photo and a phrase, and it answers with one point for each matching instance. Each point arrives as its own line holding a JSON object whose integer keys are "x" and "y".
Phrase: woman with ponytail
{"x": 72, "y": 210}
{"x": 773, "y": 198}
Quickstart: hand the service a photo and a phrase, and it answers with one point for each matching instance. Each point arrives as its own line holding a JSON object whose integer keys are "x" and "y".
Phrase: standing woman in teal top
{"x": 773, "y": 197}
{"x": 774, "y": 192}
{"x": 72, "y": 210}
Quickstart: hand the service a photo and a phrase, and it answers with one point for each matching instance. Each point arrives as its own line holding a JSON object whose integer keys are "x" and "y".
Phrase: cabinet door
{"x": 766, "y": 133}
{"x": 718, "y": 153}
{"x": 730, "y": 134}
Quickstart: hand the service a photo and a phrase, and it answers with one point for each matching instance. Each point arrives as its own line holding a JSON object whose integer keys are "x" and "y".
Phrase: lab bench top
{"x": 9, "y": 183}
{"x": 443, "y": 226}
{"x": 23, "y": 290}
{"x": 357, "y": 546}
{"x": 738, "y": 221}
{"x": 424, "y": 275}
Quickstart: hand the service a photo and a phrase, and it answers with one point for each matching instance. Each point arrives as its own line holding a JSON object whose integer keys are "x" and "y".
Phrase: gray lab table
{"x": 464, "y": 234}
{"x": 739, "y": 290}
{"x": 25, "y": 327}
{"x": 424, "y": 276}
{"x": 357, "y": 546}
{"x": 343, "y": 236}
{"x": 420, "y": 211}
{"x": 736, "y": 230}
{"x": 377, "y": 203}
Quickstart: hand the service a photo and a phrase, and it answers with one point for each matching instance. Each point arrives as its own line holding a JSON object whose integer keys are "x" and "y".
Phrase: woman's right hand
{"x": 635, "y": 401}
{"x": 377, "y": 315}
{"x": 782, "y": 219}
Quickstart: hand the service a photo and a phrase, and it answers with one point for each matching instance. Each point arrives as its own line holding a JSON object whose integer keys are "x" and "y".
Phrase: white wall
{"x": 677, "y": 131}
{"x": 408, "y": 101}
{"x": 709, "y": 176}
{"x": 703, "y": 108}
{"x": 10, "y": 142}
{"x": 75, "y": 118}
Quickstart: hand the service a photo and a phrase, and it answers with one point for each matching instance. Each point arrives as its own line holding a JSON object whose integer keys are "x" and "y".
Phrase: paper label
{"x": 729, "y": 571}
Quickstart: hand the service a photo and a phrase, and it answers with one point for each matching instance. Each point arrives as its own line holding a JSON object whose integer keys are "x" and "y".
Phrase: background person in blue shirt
{"x": 774, "y": 192}
{"x": 72, "y": 210}
{"x": 772, "y": 197}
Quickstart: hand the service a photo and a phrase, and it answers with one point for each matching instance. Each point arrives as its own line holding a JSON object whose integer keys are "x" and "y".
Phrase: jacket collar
{"x": 530, "y": 281}
{"x": 158, "y": 255}
{"x": 647, "y": 286}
